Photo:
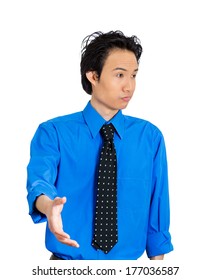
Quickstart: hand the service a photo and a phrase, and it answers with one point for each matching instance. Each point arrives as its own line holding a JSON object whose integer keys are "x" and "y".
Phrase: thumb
{"x": 60, "y": 200}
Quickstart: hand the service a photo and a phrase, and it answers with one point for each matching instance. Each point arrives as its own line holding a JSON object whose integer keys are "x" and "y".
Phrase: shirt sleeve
{"x": 42, "y": 168}
{"x": 159, "y": 238}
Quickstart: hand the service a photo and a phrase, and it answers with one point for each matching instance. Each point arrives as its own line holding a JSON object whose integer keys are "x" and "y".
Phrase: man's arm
{"x": 159, "y": 237}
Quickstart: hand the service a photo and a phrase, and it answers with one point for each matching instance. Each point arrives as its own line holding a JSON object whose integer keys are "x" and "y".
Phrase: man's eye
{"x": 119, "y": 75}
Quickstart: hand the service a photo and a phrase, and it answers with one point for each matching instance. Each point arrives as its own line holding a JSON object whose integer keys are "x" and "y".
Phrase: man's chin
{"x": 124, "y": 106}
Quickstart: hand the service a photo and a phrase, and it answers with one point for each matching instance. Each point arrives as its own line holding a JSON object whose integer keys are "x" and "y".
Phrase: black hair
{"x": 96, "y": 48}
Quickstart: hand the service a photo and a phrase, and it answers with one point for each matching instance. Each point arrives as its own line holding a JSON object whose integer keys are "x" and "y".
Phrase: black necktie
{"x": 105, "y": 223}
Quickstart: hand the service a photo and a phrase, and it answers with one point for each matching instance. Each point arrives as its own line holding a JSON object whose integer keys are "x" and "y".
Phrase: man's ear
{"x": 92, "y": 77}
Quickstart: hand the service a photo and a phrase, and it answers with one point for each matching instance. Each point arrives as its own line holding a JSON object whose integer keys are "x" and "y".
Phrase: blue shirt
{"x": 63, "y": 162}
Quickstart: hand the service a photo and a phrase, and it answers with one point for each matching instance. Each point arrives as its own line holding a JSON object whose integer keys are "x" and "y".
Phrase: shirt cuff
{"x": 158, "y": 243}
{"x": 36, "y": 215}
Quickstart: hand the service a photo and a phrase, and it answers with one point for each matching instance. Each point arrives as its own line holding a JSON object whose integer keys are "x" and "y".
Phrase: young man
{"x": 102, "y": 204}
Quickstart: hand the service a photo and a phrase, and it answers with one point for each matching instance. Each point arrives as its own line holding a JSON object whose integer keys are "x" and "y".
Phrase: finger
{"x": 70, "y": 242}
{"x": 67, "y": 241}
{"x": 60, "y": 200}
{"x": 61, "y": 234}
{"x": 65, "y": 238}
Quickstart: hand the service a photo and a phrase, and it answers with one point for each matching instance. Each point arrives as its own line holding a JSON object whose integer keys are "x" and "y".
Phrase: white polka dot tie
{"x": 105, "y": 223}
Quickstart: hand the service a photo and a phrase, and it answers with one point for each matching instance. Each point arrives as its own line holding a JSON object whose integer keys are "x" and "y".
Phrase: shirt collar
{"x": 95, "y": 121}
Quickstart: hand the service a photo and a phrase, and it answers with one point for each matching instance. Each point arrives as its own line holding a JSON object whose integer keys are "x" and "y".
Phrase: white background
{"x": 40, "y": 45}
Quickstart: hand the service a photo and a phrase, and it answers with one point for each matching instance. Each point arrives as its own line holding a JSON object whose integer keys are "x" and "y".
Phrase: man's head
{"x": 96, "y": 49}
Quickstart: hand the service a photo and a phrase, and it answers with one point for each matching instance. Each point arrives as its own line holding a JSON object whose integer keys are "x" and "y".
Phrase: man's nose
{"x": 129, "y": 85}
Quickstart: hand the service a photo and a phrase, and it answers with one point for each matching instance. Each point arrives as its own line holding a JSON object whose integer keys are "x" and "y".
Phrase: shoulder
{"x": 144, "y": 132}
{"x": 142, "y": 125}
{"x": 69, "y": 119}
{"x": 66, "y": 118}
{"x": 60, "y": 124}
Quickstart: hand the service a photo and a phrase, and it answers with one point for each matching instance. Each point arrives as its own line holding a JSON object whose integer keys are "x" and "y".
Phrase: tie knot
{"x": 107, "y": 131}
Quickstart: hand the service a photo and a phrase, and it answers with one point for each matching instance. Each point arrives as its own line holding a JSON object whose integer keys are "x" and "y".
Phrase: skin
{"x": 110, "y": 93}
{"x": 115, "y": 88}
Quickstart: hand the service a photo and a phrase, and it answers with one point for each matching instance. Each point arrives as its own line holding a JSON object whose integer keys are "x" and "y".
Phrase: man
{"x": 63, "y": 170}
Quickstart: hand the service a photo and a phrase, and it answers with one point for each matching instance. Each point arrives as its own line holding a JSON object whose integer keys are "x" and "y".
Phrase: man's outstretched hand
{"x": 52, "y": 209}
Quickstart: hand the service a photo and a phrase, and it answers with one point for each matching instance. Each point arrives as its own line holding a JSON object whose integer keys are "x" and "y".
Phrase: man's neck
{"x": 105, "y": 112}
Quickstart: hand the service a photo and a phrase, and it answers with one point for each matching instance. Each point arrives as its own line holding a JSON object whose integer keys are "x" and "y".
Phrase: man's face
{"x": 116, "y": 85}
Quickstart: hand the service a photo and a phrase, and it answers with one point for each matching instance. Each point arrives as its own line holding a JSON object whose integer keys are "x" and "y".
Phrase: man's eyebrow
{"x": 123, "y": 69}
